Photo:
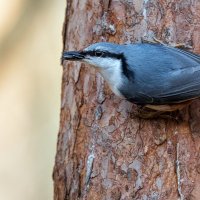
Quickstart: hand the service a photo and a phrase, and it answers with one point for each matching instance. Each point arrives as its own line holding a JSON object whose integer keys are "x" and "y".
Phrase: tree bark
{"x": 103, "y": 152}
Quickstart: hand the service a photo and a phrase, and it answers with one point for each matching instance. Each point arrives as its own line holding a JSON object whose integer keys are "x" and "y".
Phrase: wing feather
{"x": 194, "y": 56}
{"x": 185, "y": 86}
{"x": 163, "y": 75}
{"x": 183, "y": 82}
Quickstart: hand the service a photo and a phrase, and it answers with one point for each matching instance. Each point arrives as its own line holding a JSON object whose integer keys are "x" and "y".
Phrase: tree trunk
{"x": 103, "y": 152}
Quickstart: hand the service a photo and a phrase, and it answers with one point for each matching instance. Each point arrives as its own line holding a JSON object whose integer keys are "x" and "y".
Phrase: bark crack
{"x": 89, "y": 168}
{"x": 178, "y": 173}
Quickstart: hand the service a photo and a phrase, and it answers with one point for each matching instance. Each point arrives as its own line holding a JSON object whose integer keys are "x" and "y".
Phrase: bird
{"x": 151, "y": 75}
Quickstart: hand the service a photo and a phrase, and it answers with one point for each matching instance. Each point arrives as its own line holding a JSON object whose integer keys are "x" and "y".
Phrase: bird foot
{"x": 157, "y": 41}
{"x": 161, "y": 111}
{"x": 147, "y": 113}
{"x": 180, "y": 45}
{"x": 168, "y": 107}
{"x": 154, "y": 40}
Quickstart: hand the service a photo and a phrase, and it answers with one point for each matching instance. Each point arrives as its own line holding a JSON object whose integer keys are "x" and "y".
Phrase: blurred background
{"x": 30, "y": 86}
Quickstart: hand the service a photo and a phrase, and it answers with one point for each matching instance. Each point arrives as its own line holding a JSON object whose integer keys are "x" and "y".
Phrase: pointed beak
{"x": 73, "y": 55}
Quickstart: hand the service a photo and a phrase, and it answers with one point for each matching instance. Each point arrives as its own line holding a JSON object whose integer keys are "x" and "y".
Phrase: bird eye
{"x": 98, "y": 53}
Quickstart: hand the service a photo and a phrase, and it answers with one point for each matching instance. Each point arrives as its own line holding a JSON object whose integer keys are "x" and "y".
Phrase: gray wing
{"x": 184, "y": 85}
{"x": 164, "y": 75}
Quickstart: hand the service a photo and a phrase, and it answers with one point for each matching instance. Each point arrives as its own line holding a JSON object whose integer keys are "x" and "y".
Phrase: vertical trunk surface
{"x": 103, "y": 152}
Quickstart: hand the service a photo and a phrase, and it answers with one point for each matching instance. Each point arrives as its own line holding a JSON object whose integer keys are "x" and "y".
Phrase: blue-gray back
{"x": 162, "y": 74}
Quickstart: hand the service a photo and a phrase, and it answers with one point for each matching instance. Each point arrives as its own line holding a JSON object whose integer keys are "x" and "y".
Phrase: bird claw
{"x": 157, "y": 41}
{"x": 180, "y": 46}
{"x": 153, "y": 40}
{"x": 148, "y": 113}
{"x": 167, "y": 111}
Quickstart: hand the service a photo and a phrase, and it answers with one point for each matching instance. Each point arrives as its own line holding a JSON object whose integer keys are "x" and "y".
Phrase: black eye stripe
{"x": 103, "y": 54}
{"x": 98, "y": 53}
{"x": 125, "y": 69}
{"x": 95, "y": 53}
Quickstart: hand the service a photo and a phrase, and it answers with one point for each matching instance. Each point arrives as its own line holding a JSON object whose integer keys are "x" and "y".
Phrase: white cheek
{"x": 104, "y": 62}
{"x": 111, "y": 70}
{"x": 107, "y": 63}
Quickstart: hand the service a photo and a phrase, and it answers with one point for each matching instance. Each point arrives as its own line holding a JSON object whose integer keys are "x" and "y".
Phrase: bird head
{"x": 108, "y": 58}
{"x": 101, "y": 55}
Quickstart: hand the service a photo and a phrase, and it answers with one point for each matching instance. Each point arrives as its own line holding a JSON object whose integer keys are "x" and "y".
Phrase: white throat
{"x": 111, "y": 70}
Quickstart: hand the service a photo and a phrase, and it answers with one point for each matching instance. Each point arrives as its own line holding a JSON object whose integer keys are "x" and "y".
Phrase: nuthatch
{"x": 145, "y": 74}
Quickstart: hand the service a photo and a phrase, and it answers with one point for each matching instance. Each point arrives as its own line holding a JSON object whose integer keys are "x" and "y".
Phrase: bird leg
{"x": 146, "y": 113}
{"x": 153, "y": 41}
{"x": 161, "y": 111}
{"x": 152, "y": 114}
{"x": 180, "y": 46}
{"x": 169, "y": 107}
{"x": 157, "y": 41}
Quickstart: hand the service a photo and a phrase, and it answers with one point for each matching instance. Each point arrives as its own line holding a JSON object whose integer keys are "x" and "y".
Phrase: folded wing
{"x": 164, "y": 75}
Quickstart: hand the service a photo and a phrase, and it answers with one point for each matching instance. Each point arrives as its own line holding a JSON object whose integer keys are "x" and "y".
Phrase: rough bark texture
{"x": 103, "y": 152}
